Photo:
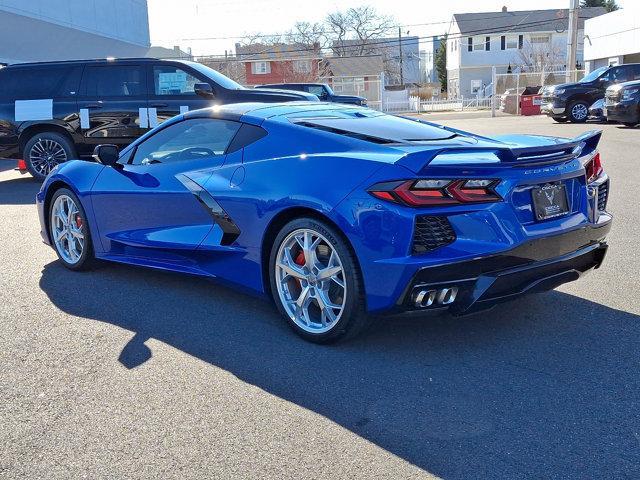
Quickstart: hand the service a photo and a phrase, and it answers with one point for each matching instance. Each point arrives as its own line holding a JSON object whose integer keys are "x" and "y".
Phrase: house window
{"x": 511, "y": 42}
{"x": 479, "y": 43}
{"x": 302, "y": 66}
{"x": 260, "y": 68}
{"x": 539, "y": 39}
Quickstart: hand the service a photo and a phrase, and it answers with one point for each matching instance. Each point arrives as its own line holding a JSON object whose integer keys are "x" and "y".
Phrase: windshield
{"x": 224, "y": 82}
{"x": 329, "y": 89}
{"x": 593, "y": 75}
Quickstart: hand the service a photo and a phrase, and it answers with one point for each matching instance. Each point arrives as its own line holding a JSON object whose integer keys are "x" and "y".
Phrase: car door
{"x": 151, "y": 206}
{"x": 113, "y": 104}
{"x": 171, "y": 91}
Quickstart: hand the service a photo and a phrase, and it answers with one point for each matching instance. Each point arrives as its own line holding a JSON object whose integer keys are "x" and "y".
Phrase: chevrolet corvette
{"x": 337, "y": 212}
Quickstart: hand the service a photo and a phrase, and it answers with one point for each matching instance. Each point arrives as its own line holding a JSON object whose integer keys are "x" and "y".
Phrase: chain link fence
{"x": 509, "y": 88}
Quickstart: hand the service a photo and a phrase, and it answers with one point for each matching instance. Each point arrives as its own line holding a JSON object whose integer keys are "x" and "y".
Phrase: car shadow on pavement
{"x": 542, "y": 387}
{"x": 19, "y": 191}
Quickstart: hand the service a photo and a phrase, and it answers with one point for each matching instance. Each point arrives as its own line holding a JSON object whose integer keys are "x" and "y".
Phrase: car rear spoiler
{"x": 488, "y": 155}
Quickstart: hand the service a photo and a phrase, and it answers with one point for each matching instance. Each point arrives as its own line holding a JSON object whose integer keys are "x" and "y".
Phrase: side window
{"x": 187, "y": 140}
{"x": 114, "y": 81}
{"x": 620, "y": 74}
{"x": 636, "y": 72}
{"x": 170, "y": 80}
{"x": 27, "y": 84}
{"x": 316, "y": 90}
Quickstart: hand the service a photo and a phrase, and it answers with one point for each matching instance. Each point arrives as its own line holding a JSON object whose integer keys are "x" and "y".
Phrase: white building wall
{"x": 613, "y": 38}
{"x": 125, "y": 20}
{"x": 45, "y": 30}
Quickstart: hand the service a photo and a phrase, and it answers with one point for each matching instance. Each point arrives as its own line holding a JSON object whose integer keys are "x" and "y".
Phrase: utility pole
{"x": 400, "y": 48}
{"x": 572, "y": 38}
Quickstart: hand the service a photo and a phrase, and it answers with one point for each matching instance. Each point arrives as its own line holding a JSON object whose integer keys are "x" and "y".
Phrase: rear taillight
{"x": 433, "y": 192}
{"x": 593, "y": 168}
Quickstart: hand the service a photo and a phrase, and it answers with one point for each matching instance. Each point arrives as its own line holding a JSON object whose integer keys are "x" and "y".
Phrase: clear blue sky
{"x": 174, "y": 22}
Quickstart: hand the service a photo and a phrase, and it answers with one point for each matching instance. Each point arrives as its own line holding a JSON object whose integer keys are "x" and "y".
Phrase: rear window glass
{"x": 376, "y": 128}
{"x": 39, "y": 82}
{"x": 114, "y": 81}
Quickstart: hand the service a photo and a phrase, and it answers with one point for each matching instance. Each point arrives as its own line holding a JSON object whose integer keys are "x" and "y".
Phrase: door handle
{"x": 94, "y": 105}
{"x": 156, "y": 105}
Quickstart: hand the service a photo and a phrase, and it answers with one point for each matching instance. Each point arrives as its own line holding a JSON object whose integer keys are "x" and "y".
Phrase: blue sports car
{"x": 337, "y": 212}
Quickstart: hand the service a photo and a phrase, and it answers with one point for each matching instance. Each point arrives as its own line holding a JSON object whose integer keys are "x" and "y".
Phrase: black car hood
{"x": 351, "y": 98}
{"x": 632, "y": 83}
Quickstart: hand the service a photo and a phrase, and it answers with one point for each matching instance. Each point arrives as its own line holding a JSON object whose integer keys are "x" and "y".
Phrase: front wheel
{"x": 44, "y": 151}
{"x": 316, "y": 283}
{"x": 69, "y": 230}
{"x": 578, "y": 112}
{"x": 560, "y": 119}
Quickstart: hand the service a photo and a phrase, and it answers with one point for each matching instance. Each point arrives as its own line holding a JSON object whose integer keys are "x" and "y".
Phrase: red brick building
{"x": 279, "y": 63}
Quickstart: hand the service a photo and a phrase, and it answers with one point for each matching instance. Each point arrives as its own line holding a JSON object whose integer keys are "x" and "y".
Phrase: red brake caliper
{"x": 299, "y": 260}
{"x": 78, "y": 221}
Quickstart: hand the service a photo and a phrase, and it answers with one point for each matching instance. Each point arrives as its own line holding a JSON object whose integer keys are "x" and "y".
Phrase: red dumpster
{"x": 530, "y": 104}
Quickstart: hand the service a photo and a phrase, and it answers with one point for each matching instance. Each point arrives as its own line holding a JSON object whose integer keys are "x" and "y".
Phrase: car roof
{"x": 94, "y": 61}
{"x": 256, "y": 112}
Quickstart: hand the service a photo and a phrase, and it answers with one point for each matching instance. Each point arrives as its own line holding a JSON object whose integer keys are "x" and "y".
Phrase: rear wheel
{"x": 578, "y": 112}
{"x": 44, "y": 151}
{"x": 316, "y": 283}
{"x": 630, "y": 124}
{"x": 69, "y": 230}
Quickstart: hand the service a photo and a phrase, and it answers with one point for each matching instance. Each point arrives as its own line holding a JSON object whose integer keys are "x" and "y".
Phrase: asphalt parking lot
{"x": 132, "y": 373}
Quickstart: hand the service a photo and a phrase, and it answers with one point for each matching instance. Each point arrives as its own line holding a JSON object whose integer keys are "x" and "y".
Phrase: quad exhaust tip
{"x": 435, "y": 297}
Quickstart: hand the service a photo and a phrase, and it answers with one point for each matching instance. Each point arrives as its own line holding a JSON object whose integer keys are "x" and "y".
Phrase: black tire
{"x": 630, "y": 124}
{"x": 572, "y": 111}
{"x": 560, "y": 119}
{"x": 31, "y": 149}
{"x": 353, "y": 319}
{"x": 87, "y": 258}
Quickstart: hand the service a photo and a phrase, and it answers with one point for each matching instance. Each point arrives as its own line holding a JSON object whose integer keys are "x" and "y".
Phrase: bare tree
{"x": 367, "y": 24}
{"x": 353, "y": 30}
{"x": 337, "y": 24}
{"x": 306, "y": 33}
{"x": 539, "y": 57}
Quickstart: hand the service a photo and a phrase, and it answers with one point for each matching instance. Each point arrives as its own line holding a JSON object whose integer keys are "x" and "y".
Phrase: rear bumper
{"x": 535, "y": 266}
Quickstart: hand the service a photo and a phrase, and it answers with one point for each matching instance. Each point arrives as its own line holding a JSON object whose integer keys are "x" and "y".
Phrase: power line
{"x": 267, "y": 35}
{"x": 381, "y": 42}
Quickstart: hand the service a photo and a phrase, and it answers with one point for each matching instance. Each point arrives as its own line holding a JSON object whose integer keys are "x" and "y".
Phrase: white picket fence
{"x": 414, "y": 104}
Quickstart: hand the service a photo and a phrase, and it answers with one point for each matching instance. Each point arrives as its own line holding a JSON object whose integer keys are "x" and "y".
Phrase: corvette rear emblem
{"x": 550, "y": 194}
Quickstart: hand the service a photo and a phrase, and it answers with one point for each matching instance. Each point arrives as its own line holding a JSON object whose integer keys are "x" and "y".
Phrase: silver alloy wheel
{"x": 579, "y": 111}
{"x": 311, "y": 281}
{"x": 66, "y": 228}
{"x": 46, "y": 154}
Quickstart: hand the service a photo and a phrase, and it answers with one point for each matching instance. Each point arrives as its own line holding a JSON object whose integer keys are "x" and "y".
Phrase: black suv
{"x": 321, "y": 90}
{"x": 55, "y": 111}
{"x": 571, "y": 101}
{"x": 622, "y": 103}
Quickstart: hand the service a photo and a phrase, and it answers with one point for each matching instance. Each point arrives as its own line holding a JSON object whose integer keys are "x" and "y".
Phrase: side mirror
{"x": 203, "y": 90}
{"x": 106, "y": 154}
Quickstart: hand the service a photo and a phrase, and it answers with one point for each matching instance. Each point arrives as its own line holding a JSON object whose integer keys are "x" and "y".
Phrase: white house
{"x": 614, "y": 38}
{"x": 526, "y": 40}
